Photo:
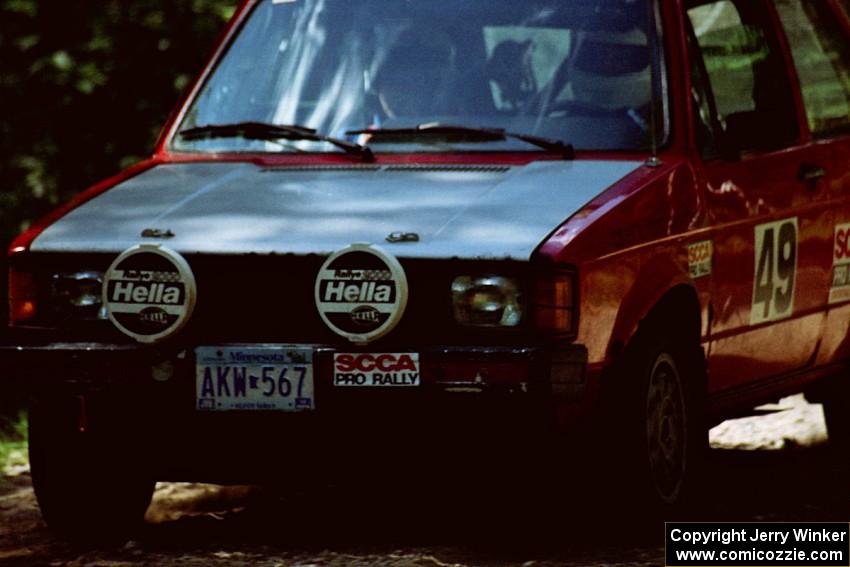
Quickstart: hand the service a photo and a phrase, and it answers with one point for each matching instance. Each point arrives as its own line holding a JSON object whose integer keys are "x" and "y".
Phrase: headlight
{"x": 486, "y": 301}
{"x": 78, "y": 292}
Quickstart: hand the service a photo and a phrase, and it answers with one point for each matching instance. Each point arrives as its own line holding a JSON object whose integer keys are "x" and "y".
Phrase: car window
{"x": 747, "y": 76}
{"x": 521, "y": 60}
{"x": 730, "y": 50}
{"x": 822, "y": 60}
{"x": 703, "y": 107}
{"x": 575, "y": 70}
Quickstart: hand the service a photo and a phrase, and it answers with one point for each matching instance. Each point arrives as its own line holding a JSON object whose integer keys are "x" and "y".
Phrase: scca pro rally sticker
{"x": 377, "y": 369}
{"x": 361, "y": 292}
{"x": 840, "y": 289}
{"x": 700, "y": 255}
{"x": 149, "y": 292}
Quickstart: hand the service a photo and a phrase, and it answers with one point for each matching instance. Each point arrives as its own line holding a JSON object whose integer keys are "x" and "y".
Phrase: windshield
{"x": 571, "y": 70}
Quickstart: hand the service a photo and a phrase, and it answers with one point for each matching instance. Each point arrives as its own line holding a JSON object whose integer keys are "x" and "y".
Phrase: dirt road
{"x": 773, "y": 467}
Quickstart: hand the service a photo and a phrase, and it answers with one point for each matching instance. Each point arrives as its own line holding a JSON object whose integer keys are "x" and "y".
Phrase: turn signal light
{"x": 555, "y": 304}
{"x": 22, "y": 297}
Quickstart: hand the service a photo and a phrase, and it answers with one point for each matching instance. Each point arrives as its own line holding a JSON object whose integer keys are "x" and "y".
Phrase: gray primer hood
{"x": 237, "y": 208}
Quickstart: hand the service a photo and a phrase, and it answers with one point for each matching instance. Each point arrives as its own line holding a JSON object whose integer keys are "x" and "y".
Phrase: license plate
{"x": 254, "y": 378}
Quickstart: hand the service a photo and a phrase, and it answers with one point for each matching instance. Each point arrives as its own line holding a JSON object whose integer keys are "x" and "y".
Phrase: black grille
{"x": 270, "y": 298}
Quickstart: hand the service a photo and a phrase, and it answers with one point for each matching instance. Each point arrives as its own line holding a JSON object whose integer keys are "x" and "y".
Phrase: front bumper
{"x": 537, "y": 370}
{"x": 472, "y": 400}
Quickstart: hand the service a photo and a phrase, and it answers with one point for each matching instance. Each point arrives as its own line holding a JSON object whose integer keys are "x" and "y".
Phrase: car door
{"x": 766, "y": 193}
{"x": 820, "y": 46}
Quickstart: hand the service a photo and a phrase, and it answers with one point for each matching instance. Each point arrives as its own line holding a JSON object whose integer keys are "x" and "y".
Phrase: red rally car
{"x": 407, "y": 229}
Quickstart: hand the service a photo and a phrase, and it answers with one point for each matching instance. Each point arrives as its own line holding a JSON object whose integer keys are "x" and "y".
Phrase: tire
{"x": 835, "y": 399}
{"x": 89, "y": 485}
{"x": 657, "y": 438}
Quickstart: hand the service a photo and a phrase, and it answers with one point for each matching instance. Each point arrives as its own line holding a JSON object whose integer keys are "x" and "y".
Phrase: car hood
{"x": 238, "y": 208}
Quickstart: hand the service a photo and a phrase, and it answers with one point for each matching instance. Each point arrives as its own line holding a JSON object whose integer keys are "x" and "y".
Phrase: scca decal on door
{"x": 775, "y": 271}
{"x": 840, "y": 289}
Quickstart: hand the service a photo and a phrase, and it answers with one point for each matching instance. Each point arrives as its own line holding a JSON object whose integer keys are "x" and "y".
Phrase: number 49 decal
{"x": 775, "y": 271}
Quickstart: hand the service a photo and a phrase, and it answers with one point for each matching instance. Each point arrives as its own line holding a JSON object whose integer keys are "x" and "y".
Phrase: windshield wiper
{"x": 271, "y": 132}
{"x": 459, "y": 134}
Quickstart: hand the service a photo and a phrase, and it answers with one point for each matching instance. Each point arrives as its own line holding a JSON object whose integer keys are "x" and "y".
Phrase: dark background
{"x": 85, "y": 87}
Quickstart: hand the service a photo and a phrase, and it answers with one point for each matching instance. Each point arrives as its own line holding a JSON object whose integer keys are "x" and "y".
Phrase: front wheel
{"x": 656, "y": 427}
{"x": 667, "y": 429}
{"x": 90, "y": 483}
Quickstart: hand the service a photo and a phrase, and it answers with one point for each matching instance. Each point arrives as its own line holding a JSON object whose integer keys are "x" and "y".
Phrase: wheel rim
{"x": 666, "y": 429}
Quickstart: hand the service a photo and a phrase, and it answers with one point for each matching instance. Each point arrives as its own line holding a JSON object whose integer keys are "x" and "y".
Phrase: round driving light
{"x": 361, "y": 292}
{"x": 149, "y": 292}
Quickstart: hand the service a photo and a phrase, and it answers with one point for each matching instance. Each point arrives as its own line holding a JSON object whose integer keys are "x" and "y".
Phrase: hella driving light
{"x": 486, "y": 301}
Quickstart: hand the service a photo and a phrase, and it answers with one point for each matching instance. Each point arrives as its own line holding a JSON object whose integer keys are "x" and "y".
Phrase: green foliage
{"x": 85, "y": 88}
{"x": 13, "y": 441}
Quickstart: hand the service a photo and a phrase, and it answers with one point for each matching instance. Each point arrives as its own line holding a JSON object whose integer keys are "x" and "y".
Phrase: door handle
{"x": 809, "y": 173}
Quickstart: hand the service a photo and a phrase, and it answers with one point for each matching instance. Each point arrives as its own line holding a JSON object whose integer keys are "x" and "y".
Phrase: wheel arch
{"x": 679, "y": 309}
{"x": 676, "y": 316}
{"x": 662, "y": 296}
{"x": 674, "y": 313}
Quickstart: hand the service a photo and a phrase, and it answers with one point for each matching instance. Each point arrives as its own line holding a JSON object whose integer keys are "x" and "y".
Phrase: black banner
{"x": 760, "y": 544}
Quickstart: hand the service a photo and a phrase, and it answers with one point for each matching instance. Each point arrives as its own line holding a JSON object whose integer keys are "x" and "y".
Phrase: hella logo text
{"x": 146, "y": 293}
{"x": 332, "y": 291}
